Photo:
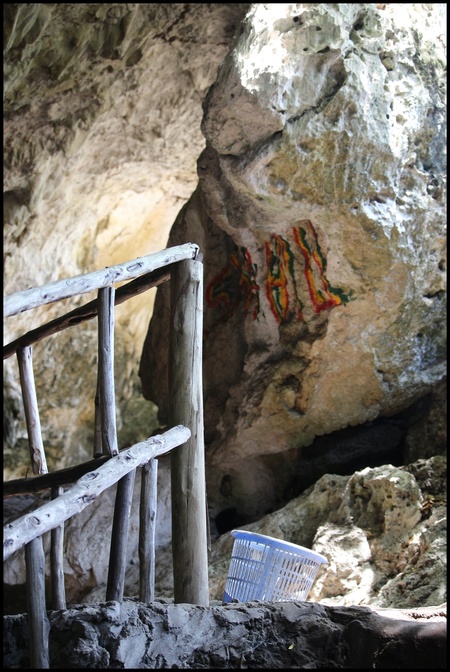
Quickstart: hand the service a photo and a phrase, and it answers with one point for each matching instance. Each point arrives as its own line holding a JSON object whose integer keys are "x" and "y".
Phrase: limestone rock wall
{"x": 102, "y": 115}
{"x": 321, "y": 213}
{"x": 302, "y": 147}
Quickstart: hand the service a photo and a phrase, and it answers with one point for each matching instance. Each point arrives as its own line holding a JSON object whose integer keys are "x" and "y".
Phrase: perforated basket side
{"x": 292, "y": 577}
{"x": 246, "y": 571}
{"x": 265, "y": 568}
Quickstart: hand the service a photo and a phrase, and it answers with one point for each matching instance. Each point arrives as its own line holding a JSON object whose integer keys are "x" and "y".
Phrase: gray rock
{"x": 251, "y": 635}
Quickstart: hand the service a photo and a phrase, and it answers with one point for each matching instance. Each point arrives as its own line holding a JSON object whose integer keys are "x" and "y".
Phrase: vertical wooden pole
{"x": 39, "y": 625}
{"x": 106, "y": 370}
{"x": 189, "y": 526}
{"x": 98, "y": 450}
{"x": 124, "y": 492}
{"x": 37, "y": 615}
{"x": 119, "y": 537}
{"x": 57, "y": 561}
{"x": 37, "y": 454}
{"x": 147, "y": 530}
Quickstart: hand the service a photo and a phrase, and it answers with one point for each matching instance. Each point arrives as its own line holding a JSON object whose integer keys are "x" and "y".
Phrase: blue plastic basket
{"x": 268, "y": 569}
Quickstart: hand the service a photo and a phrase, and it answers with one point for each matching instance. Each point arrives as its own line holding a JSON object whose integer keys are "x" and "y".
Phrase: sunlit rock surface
{"x": 383, "y": 531}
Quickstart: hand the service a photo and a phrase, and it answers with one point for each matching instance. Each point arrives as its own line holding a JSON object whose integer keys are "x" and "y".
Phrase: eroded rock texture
{"x": 254, "y": 635}
{"x": 321, "y": 213}
{"x": 102, "y": 115}
{"x": 313, "y": 180}
{"x": 382, "y": 530}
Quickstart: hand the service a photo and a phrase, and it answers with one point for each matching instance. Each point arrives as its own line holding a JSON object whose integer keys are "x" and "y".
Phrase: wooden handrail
{"x": 183, "y": 263}
{"x": 88, "y": 311}
{"x": 88, "y": 487}
{"x": 89, "y": 282}
{"x": 54, "y": 479}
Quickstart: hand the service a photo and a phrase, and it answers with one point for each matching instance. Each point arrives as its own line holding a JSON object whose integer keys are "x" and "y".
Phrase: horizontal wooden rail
{"x": 88, "y": 487}
{"x": 88, "y": 282}
{"x": 55, "y": 479}
{"x": 88, "y": 311}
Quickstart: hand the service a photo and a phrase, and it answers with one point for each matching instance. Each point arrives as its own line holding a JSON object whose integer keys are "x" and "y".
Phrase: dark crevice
{"x": 439, "y": 294}
{"x": 229, "y": 519}
{"x": 323, "y": 102}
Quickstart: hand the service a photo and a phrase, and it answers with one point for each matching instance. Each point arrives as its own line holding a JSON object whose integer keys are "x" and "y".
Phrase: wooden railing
{"x": 183, "y": 266}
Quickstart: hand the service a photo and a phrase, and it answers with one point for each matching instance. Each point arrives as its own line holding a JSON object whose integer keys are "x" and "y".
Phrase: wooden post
{"x": 98, "y": 450}
{"x": 34, "y": 552}
{"x": 39, "y": 626}
{"x": 189, "y": 527}
{"x": 106, "y": 370}
{"x": 119, "y": 538}
{"x": 147, "y": 530}
{"x": 124, "y": 492}
{"x": 37, "y": 454}
{"x": 57, "y": 561}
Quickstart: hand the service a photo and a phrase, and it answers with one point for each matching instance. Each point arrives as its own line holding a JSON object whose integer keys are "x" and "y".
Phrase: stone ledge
{"x": 252, "y": 635}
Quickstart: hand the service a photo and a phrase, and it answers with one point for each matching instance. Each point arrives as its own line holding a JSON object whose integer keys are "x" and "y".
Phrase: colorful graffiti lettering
{"x": 323, "y": 295}
{"x": 248, "y": 287}
{"x": 280, "y": 274}
{"x": 236, "y": 284}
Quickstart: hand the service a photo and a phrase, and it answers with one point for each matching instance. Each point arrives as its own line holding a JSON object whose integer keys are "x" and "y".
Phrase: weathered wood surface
{"x": 67, "y": 476}
{"x": 88, "y": 487}
{"x": 88, "y": 311}
{"x": 39, "y": 626}
{"x": 98, "y": 450}
{"x": 106, "y": 370}
{"x": 34, "y": 552}
{"x": 57, "y": 561}
{"x": 33, "y": 422}
{"x": 89, "y": 282}
{"x": 119, "y": 538}
{"x": 189, "y": 527}
{"x": 147, "y": 530}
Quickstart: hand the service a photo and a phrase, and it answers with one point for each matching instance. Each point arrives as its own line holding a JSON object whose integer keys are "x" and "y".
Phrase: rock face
{"x": 253, "y": 635}
{"x": 314, "y": 182}
{"x": 102, "y": 114}
{"x": 321, "y": 214}
{"x": 382, "y": 530}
